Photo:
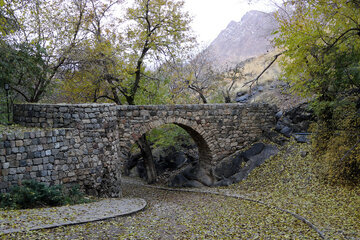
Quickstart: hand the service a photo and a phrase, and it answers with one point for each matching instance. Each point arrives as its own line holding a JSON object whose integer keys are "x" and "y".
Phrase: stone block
{"x": 50, "y": 122}
{"x": 19, "y": 135}
{"x": 5, "y": 172}
{"x": 63, "y": 109}
{"x": 51, "y": 159}
{"x": 38, "y": 161}
{"x": 62, "y": 132}
{"x": 43, "y": 173}
{"x": 7, "y": 144}
{"x": 12, "y": 171}
{"x": 37, "y": 154}
{"x": 6, "y": 165}
{"x": 33, "y": 141}
{"x": 15, "y": 150}
{"x": 45, "y": 160}
{"x": 19, "y": 143}
{"x": 21, "y": 149}
{"x": 57, "y": 145}
{"x": 144, "y": 113}
{"x": 43, "y": 141}
{"x": 75, "y": 116}
{"x": 32, "y": 135}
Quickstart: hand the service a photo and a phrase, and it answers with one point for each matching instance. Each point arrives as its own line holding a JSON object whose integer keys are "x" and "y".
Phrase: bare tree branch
{"x": 266, "y": 68}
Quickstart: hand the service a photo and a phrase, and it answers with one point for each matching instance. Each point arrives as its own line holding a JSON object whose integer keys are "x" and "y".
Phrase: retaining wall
{"x": 84, "y": 152}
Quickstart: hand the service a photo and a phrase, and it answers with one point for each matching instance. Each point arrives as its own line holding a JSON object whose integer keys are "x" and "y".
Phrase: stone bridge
{"x": 87, "y": 143}
{"x": 217, "y": 129}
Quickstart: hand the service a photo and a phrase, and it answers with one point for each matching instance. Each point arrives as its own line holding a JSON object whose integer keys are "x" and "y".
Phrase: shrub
{"x": 32, "y": 194}
{"x": 75, "y": 196}
{"x": 7, "y": 201}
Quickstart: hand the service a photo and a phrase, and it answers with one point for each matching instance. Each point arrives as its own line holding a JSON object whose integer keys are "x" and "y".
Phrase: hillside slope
{"x": 248, "y": 38}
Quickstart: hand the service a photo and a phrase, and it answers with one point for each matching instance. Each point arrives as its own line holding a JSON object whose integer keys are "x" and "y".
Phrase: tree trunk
{"x": 226, "y": 96}
{"x": 148, "y": 158}
{"x": 227, "y": 99}
{"x": 145, "y": 149}
{"x": 199, "y": 91}
{"x": 203, "y": 98}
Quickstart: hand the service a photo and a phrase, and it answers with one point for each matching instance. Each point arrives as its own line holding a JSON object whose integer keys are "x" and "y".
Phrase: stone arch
{"x": 203, "y": 141}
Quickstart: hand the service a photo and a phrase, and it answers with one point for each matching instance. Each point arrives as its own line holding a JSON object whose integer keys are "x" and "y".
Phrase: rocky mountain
{"x": 251, "y": 37}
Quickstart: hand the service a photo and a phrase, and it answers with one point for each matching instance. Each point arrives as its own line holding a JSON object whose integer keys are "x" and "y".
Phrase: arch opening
{"x": 205, "y": 156}
{"x": 174, "y": 146}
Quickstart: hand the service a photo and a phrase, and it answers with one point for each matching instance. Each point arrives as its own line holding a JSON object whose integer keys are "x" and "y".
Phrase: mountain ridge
{"x": 250, "y": 37}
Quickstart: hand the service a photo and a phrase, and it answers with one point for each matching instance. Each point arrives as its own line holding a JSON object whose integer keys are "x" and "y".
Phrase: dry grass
{"x": 253, "y": 67}
{"x": 274, "y": 91}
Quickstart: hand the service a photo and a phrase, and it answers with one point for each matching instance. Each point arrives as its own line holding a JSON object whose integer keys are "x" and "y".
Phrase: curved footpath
{"x": 34, "y": 219}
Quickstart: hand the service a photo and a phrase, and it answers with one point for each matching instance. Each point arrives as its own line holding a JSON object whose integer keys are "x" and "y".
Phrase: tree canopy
{"x": 322, "y": 43}
{"x": 153, "y": 32}
{"x": 321, "y": 40}
{"x": 42, "y": 35}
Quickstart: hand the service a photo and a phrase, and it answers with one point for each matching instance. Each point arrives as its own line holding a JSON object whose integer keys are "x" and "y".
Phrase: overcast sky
{"x": 212, "y": 16}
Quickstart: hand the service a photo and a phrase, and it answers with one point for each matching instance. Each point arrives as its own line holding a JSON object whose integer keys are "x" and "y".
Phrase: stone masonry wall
{"x": 37, "y": 154}
{"x": 89, "y": 155}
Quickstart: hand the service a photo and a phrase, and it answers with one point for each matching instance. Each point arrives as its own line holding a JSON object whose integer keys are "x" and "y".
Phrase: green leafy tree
{"x": 20, "y": 65}
{"x": 98, "y": 61}
{"x": 152, "y": 33}
{"x": 321, "y": 40}
{"x": 322, "y": 43}
{"x": 158, "y": 30}
{"x": 35, "y": 52}
{"x": 7, "y": 23}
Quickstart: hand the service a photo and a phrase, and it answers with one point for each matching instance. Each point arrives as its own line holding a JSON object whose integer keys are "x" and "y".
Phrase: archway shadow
{"x": 202, "y": 139}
